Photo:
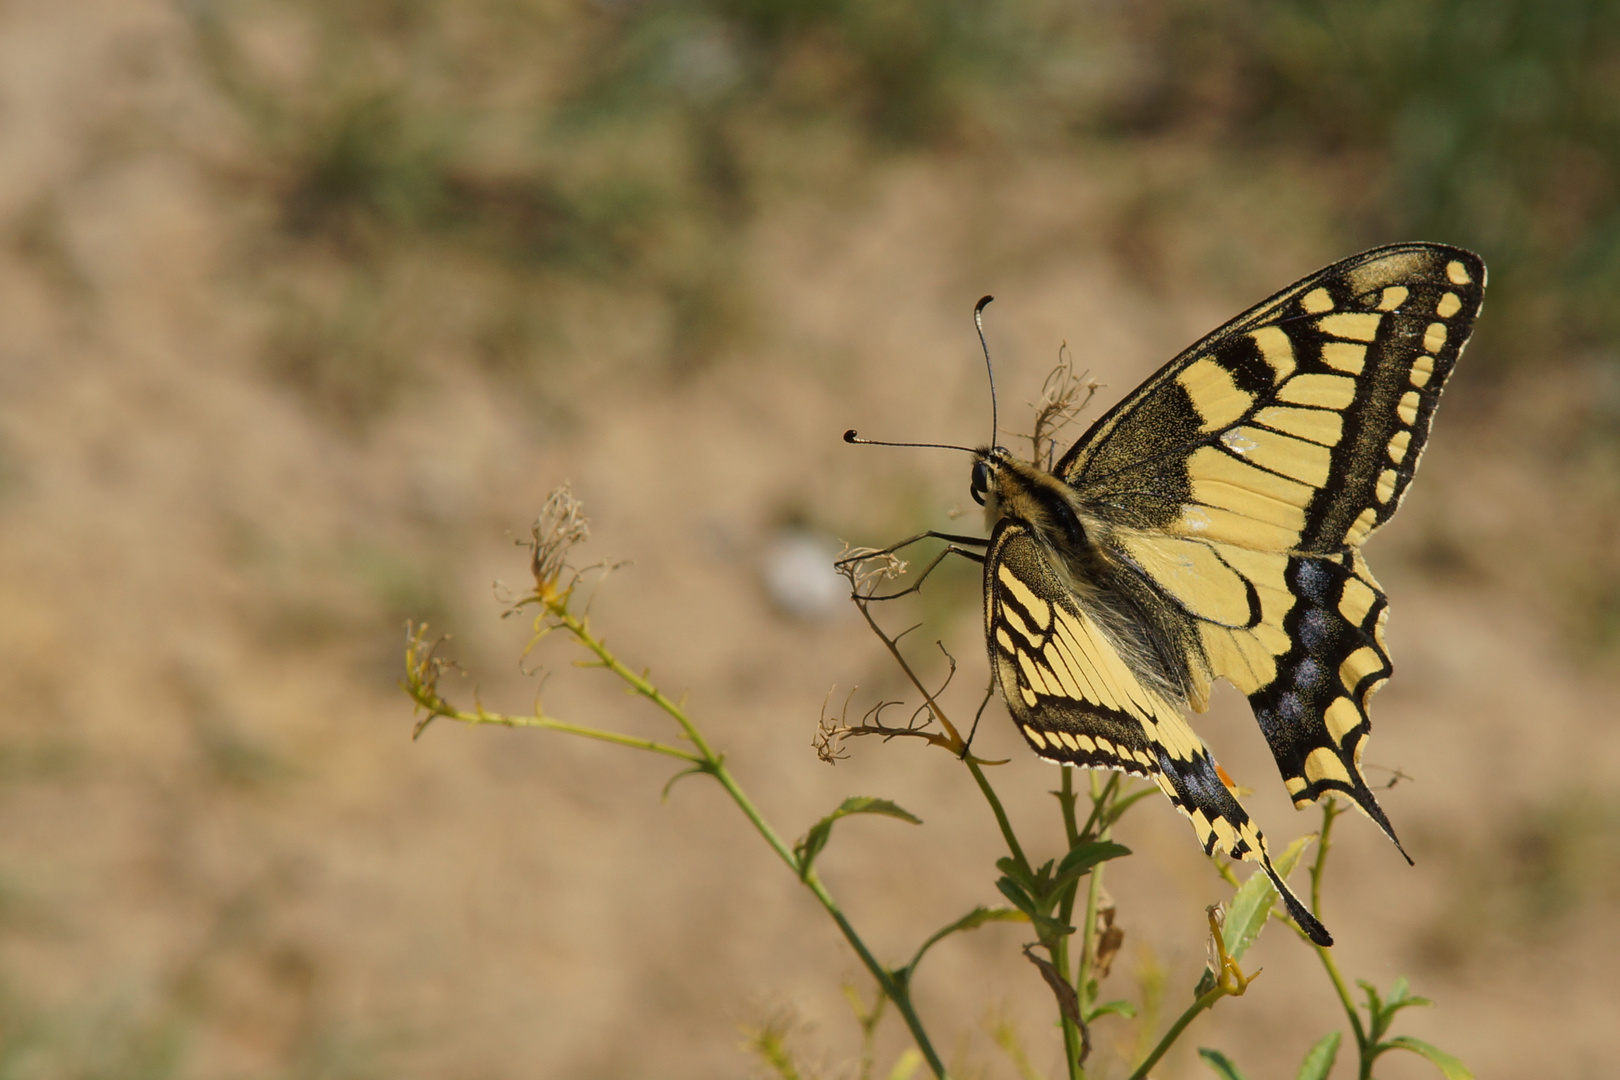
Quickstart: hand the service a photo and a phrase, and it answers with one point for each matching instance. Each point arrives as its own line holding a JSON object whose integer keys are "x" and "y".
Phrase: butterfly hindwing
{"x": 1079, "y": 697}
{"x": 1314, "y": 713}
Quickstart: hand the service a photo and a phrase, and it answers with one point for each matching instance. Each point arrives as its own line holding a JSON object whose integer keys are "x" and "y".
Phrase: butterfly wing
{"x": 1239, "y": 482}
{"x": 1073, "y": 688}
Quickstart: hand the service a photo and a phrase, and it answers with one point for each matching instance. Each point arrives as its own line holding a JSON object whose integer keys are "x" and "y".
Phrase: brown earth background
{"x": 305, "y": 307}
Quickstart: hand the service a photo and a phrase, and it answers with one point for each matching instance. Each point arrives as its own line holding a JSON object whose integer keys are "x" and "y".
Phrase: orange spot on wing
{"x": 1231, "y": 785}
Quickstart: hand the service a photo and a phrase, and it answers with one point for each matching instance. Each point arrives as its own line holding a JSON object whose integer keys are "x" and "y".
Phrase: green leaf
{"x": 1284, "y": 864}
{"x": 1020, "y": 899}
{"x": 1117, "y": 811}
{"x": 971, "y": 921}
{"x": 1083, "y": 856}
{"x": 1375, "y": 1004}
{"x": 1220, "y": 1063}
{"x": 978, "y": 917}
{"x": 1449, "y": 1067}
{"x": 1400, "y": 997}
{"x": 1048, "y": 929}
{"x": 807, "y": 849}
{"x": 1043, "y": 876}
{"x": 1018, "y": 872}
{"x": 868, "y": 804}
{"x": 1251, "y": 905}
{"x": 1113, "y": 1008}
{"x": 1319, "y": 1058}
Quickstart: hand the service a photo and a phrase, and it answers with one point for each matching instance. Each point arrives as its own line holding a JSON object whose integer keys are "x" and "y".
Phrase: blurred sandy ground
{"x": 221, "y": 854}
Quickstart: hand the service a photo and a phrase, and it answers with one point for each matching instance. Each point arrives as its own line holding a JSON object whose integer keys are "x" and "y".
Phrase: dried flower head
{"x": 865, "y": 567}
{"x": 560, "y": 526}
{"x": 1063, "y": 396}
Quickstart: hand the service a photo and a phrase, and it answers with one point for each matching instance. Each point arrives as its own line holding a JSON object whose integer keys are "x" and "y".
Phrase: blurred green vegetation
{"x": 629, "y": 144}
{"x": 1494, "y": 124}
{"x": 625, "y": 147}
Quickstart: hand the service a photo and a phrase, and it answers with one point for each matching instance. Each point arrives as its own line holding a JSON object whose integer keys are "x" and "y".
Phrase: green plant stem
{"x": 1324, "y": 844}
{"x": 1100, "y": 793}
{"x": 1073, "y": 1041}
{"x": 548, "y": 723}
{"x": 1100, "y": 806}
{"x": 714, "y": 765}
{"x": 1170, "y": 1037}
{"x": 1067, "y": 798}
{"x": 897, "y": 990}
{"x": 996, "y": 808}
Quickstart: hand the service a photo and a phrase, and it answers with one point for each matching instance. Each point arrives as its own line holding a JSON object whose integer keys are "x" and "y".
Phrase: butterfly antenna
{"x": 978, "y": 321}
{"x": 850, "y": 436}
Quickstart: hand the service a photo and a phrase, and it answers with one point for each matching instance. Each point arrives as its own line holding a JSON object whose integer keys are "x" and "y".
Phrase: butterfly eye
{"x": 980, "y": 486}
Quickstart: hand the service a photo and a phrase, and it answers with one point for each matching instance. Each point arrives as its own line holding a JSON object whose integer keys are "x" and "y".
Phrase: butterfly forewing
{"x": 1239, "y": 482}
{"x": 1298, "y": 425}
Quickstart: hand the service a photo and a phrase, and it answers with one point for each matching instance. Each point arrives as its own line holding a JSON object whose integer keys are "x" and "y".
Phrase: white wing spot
{"x": 1236, "y": 442}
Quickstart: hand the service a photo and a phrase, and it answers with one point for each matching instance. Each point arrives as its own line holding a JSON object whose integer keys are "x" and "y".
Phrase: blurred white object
{"x": 799, "y": 575}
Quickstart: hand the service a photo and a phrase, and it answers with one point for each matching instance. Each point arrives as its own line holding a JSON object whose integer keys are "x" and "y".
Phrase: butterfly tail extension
{"x": 1195, "y": 787}
{"x": 1297, "y": 911}
{"x": 1314, "y": 713}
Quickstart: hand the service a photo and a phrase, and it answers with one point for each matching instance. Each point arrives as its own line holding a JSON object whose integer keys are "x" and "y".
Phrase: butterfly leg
{"x": 952, "y": 548}
{"x": 989, "y": 692}
{"x": 974, "y": 541}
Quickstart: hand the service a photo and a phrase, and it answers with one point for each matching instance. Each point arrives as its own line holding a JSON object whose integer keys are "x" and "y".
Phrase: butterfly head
{"x": 1008, "y": 487}
{"x": 988, "y": 482}
{"x": 979, "y": 486}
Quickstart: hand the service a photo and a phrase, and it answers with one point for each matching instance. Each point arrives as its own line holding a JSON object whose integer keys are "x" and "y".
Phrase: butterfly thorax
{"x": 1077, "y": 549}
{"x": 1010, "y": 488}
